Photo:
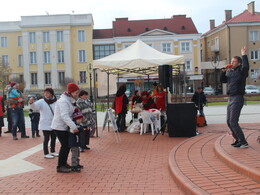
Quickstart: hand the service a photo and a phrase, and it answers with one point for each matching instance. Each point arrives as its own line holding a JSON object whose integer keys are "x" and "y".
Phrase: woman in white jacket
{"x": 46, "y": 107}
{"x": 62, "y": 121}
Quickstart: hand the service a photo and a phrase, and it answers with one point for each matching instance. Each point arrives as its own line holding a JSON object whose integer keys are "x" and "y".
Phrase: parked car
{"x": 209, "y": 91}
{"x": 251, "y": 89}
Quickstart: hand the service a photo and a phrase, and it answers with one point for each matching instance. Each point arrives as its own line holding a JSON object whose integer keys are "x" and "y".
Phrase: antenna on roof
{"x": 73, "y": 11}
{"x": 47, "y": 12}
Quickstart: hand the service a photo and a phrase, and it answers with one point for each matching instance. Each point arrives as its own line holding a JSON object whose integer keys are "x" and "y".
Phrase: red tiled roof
{"x": 102, "y": 33}
{"x": 245, "y": 16}
{"x": 178, "y": 24}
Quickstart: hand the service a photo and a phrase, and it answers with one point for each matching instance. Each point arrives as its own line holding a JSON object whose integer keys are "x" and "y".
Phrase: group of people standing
{"x": 148, "y": 101}
{"x": 70, "y": 119}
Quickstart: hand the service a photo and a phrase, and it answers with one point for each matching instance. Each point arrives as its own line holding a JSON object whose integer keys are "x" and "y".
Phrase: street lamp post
{"x": 90, "y": 81}
{"x": 215, "y": 63}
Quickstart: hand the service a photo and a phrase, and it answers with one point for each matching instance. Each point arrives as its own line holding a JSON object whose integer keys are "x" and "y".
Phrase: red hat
{"x": 77, "y": 114}
{"x": 144, "y": 93}
{"x": 72, "y": 87}
{"x": 12, "y": 83}
{"x": 136, "y": 91}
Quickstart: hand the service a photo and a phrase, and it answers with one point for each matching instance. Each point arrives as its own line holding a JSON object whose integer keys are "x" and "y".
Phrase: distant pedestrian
{"x": 235, "y": 77}
{"x": 16, "y": 103}
{"x": 200, "y": 100}
{"x": 2, "y": 111}
{"x": 62, "y": 122}
{"x": 46, "y": 107}
{"x": 34, "y": 115}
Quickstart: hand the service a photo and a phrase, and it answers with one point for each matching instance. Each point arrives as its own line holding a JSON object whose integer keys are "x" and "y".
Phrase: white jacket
{"x": 46, "y": 115}
{"x": 63, "y": 114}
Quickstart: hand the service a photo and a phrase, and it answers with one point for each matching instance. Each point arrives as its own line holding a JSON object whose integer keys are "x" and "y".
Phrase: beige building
{"x": 224, "y": 41}
{"x": 45, "y": 51}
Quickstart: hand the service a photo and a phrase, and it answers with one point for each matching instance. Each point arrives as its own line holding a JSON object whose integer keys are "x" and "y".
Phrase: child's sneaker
{"x": 75, "y": 169}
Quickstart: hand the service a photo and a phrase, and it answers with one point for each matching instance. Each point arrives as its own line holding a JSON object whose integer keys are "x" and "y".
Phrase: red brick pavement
{"x": 136, "y": 166}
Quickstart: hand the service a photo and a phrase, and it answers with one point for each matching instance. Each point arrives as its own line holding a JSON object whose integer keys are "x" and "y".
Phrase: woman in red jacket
{"x": 160, "y": 99}
{"x": 121, "y": 103}
{"x": 2, "y": 110}
{"x": 147, "y": 101}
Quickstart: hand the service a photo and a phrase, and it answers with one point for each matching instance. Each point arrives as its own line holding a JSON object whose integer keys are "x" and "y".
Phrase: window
{"x": 208, "y": 44}
{"x": 254, "y": 55}
{"x": 61, "y": 56}
{"x": 33, "y": 78}
{"x": 32, "y": 37}
{"x": 166, "y": 47}
{"x": 46, "y": 37}
{"x": 21, "y": 78}
{"x": 47, "y": 57}
{"x": 19, "y": 41}
{"x": 33, "y": 57}
{"x": 61, "y": 77}
{"x": 59, "y": 36}
{"x": 47, "y": 78}
{"x": 3, "y": 42}
{"x": 254, "y": 73}
{"x": 5, "y": 61}
{"x": 253, "y": 36}
{"x": 82, "y": 76}
{"x": 101, "y": 51}
{"x": 185, "y": 47}
{"x": 126, "y": 45}
{"x": 81, "y": 35}
{"x": 188, "y": 65}
{"x": 20, "y": 60}
{"x": 82, "y": 56}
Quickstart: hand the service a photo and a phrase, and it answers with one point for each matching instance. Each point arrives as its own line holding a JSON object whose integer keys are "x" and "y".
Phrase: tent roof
{"x": 139, "y": 58}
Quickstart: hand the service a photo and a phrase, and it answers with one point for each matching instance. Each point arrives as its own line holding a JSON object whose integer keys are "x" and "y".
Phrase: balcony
{"x": 215, "y": 48}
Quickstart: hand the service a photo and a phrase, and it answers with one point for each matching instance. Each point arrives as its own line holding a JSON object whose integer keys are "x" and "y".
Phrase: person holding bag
{"x": 46, "y": 107}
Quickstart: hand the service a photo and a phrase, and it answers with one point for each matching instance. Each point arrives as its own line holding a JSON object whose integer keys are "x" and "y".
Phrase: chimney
{"x": 228, "y": 15}
{"x": 251, "y": 7}
{"x": 212, "y": 24}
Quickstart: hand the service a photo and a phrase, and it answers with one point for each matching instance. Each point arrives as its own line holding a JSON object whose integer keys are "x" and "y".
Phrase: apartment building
{"x": 176, "y": 35}
{"x": 224, "y": 41}
{"x": 45, "y": 51}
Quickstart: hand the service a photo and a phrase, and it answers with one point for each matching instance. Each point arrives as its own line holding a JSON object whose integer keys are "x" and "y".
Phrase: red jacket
{"x": 160, "y": 100}
{"x": 120, "y": 106}
{"x": 148, "y": 103}
{"x": 1, "y": 106}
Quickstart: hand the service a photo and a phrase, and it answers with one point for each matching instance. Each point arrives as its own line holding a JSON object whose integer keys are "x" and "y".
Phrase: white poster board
{"x": 109, "y": 115}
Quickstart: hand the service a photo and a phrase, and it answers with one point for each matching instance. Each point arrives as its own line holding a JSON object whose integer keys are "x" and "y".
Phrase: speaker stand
{"x": 161, "y": 130}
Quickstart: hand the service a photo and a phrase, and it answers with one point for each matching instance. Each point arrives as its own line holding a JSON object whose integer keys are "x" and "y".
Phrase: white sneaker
{"x": 55, "y": 154}
{"x": 48, "y": 156}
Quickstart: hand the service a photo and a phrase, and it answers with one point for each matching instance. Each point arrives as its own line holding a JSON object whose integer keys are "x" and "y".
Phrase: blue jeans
{"x": 35, "y": 118}
{"x": 18, "y": 120}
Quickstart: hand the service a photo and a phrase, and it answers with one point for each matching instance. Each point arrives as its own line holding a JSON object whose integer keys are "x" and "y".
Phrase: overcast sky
{"x": 105, "y": 11}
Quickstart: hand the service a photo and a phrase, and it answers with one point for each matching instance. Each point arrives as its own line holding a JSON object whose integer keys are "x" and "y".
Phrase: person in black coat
{"x": 200, "y": 100}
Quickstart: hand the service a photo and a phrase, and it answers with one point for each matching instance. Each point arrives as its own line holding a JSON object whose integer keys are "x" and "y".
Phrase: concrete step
{"x": 196, "y": 169}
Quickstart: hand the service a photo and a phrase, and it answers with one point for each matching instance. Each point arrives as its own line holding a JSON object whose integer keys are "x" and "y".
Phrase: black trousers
{"x": 47, "y": 135}
{"x": 63, "y": 137}
{"x": 121, "y": 122}
{"x": 84, "y": 138}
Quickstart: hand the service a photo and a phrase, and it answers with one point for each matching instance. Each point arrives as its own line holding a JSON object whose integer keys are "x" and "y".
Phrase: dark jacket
{"x": 199, "y": 99}
{"x": 236, "y": 78}
{"x": 74, "y": 137}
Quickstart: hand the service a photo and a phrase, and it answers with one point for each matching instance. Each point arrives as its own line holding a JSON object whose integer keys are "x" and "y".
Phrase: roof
{"x": 178, "y": 24}
{"x": 243, "y": 17}
{"x": 102, "y": 33}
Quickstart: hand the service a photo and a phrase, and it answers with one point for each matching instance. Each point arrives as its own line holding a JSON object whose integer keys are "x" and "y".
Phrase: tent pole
{"x": 184, "y": 79}
{"x": 95, "y": 99}
{"x": 108, "y": 96}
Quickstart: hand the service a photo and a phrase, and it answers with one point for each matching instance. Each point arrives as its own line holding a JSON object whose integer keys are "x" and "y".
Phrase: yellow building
{"x": 46, "y": 51}
{"x": 221, "y": 43}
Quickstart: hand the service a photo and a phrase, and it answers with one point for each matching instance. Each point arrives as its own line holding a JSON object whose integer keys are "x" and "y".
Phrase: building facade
{"x": 46, "y": 51}
{"x": 221, "y": 43}
{"x": 177, "y": 35}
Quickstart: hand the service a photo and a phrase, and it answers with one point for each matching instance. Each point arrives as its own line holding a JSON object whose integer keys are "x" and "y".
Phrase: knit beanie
{"x": 77, "y": 114}
{"x": 12, "y": 83}
{"x": 50, "y": 90}
{"x": 72, "y": 87}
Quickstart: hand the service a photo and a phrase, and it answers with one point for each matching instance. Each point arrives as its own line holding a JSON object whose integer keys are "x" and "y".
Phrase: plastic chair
{"x": 157, "y": 115}
{"x": 145, "y": 117}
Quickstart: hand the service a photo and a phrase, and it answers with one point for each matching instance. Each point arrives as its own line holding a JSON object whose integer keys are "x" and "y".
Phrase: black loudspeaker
{"x": 181, "y": 118}
{"x": 165, "y": 75}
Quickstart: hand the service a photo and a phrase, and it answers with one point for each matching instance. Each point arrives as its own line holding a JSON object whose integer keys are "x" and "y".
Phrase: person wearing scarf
{"x": 62, "y": 123}
{"x": 46, "y": 108}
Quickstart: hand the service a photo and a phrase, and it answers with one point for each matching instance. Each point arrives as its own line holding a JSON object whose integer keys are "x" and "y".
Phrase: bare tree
{"x": 5, "y": 72}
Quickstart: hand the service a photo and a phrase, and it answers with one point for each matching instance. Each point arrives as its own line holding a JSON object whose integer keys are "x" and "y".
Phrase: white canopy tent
{"x": 136, "y": 58}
